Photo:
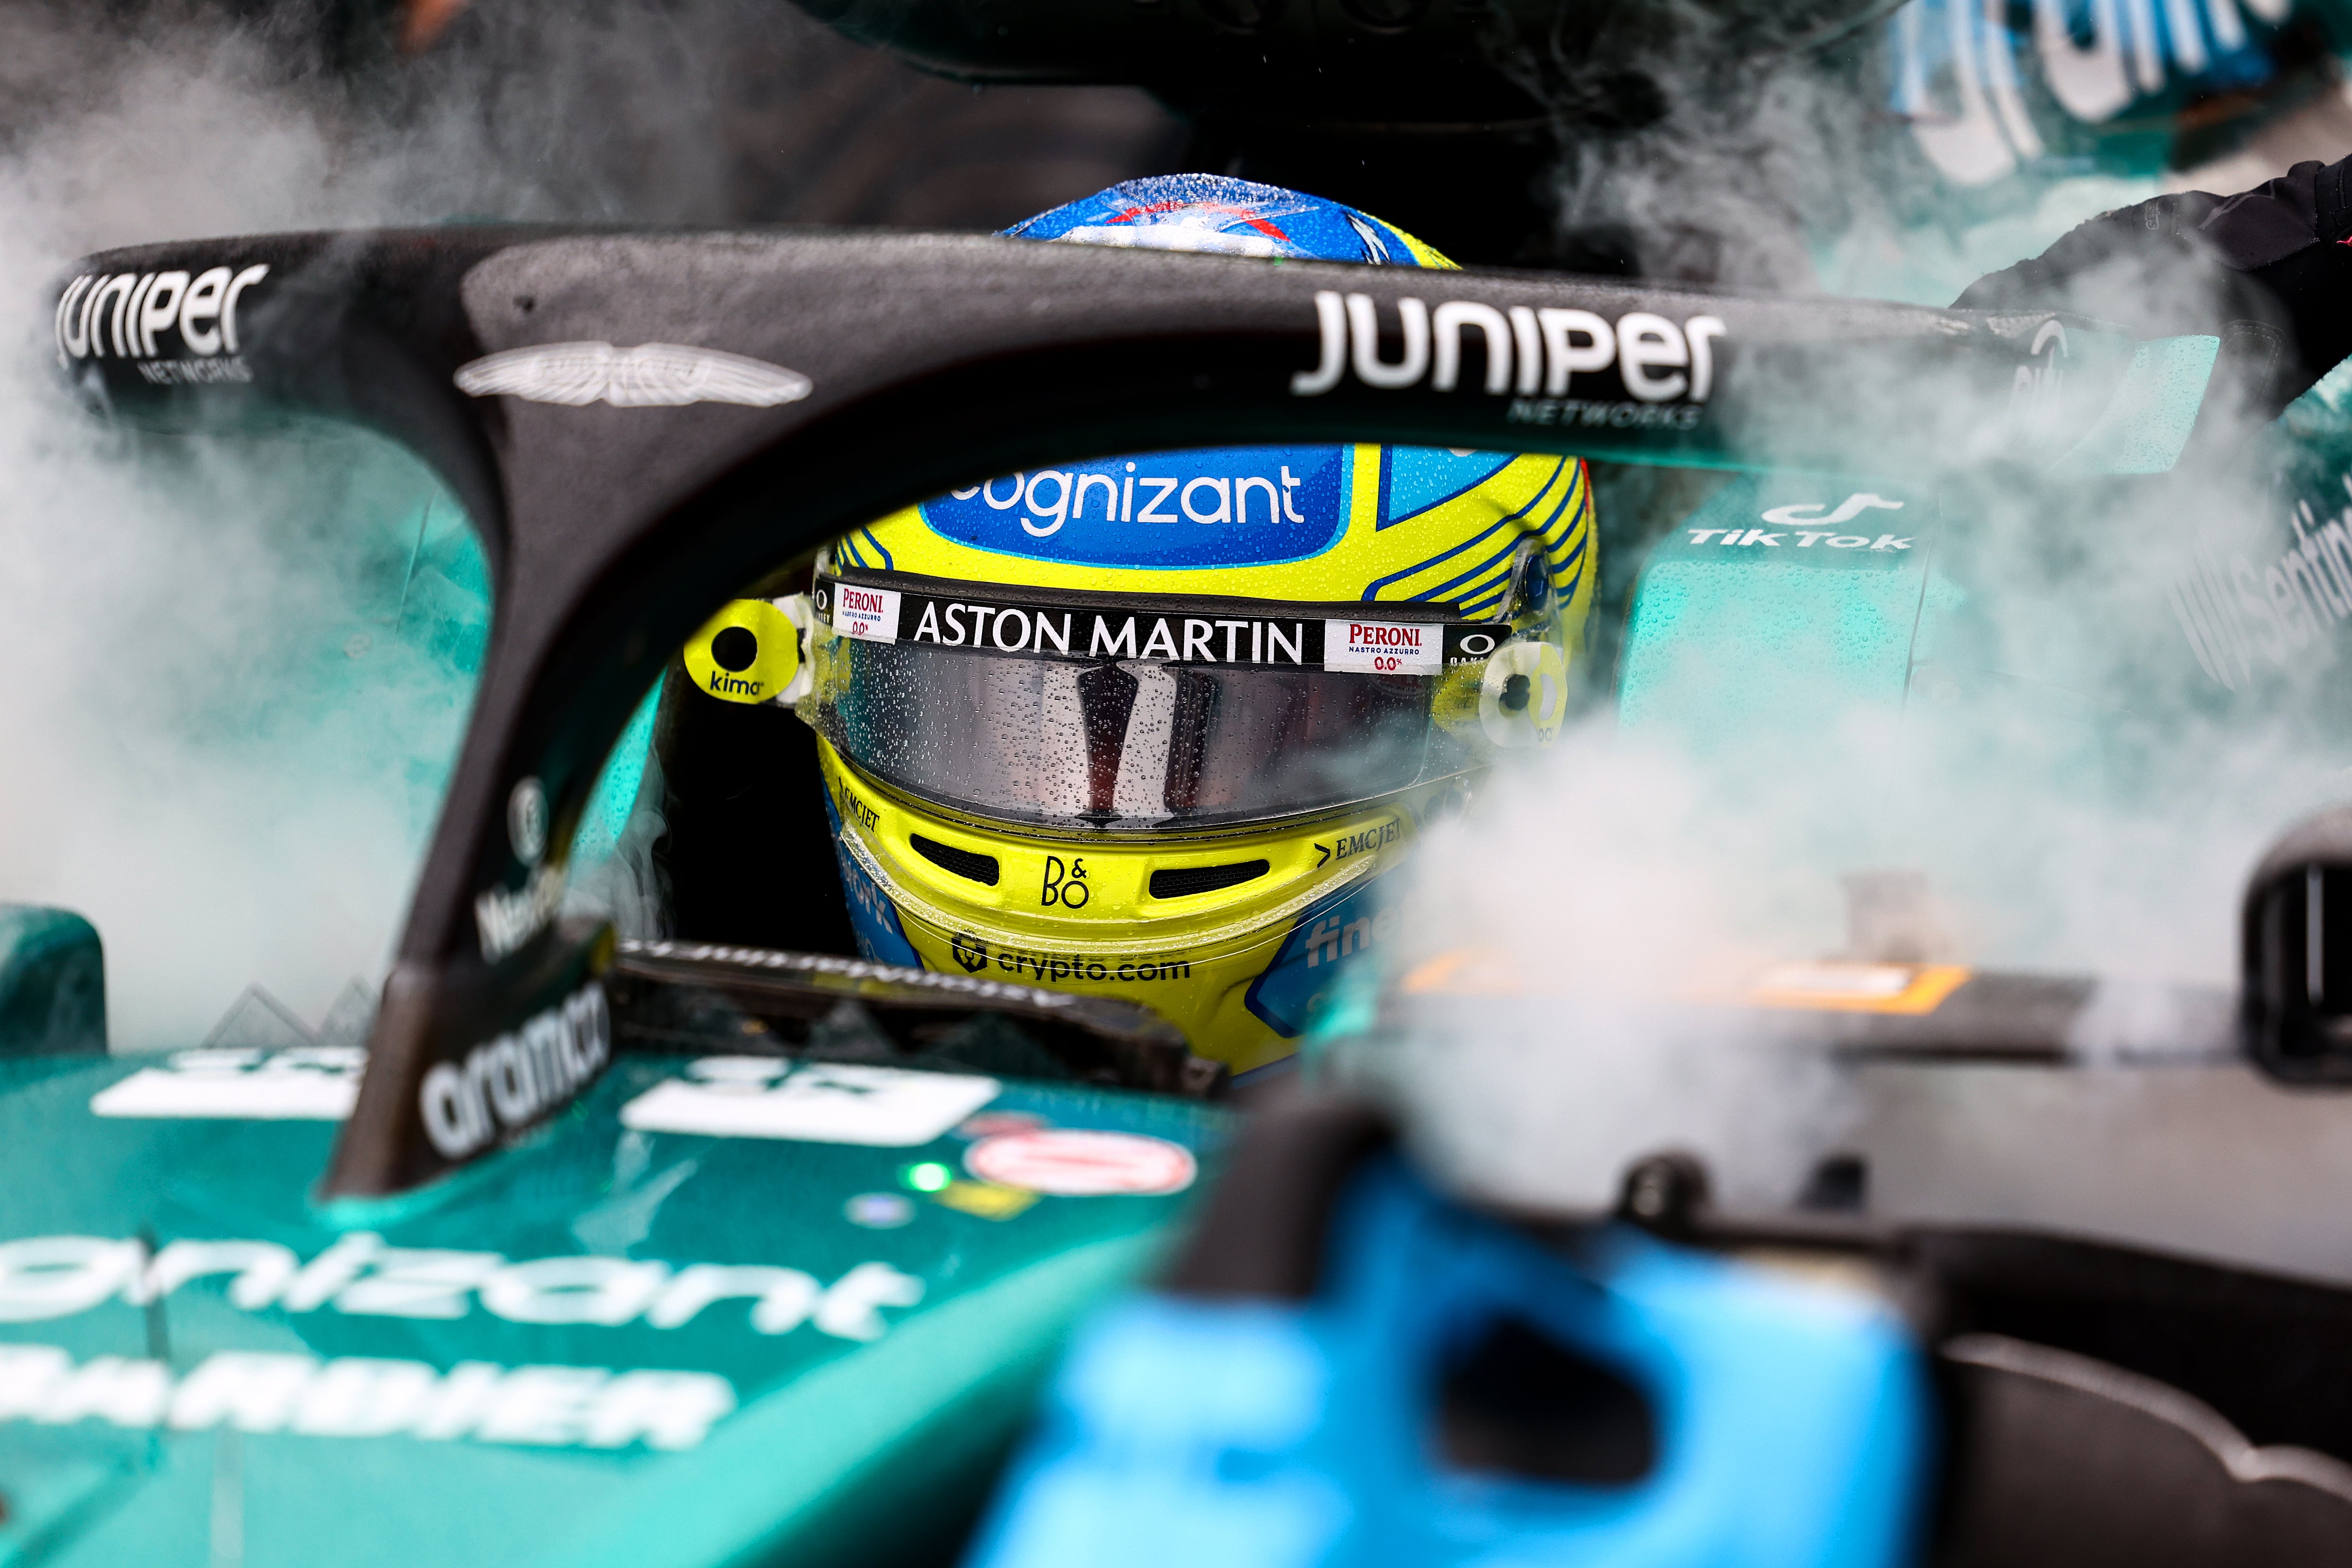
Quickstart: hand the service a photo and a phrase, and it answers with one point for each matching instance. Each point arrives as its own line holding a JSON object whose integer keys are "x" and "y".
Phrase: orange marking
{"x": 1464, "y": 972}
{"x": 1845, "y": 987}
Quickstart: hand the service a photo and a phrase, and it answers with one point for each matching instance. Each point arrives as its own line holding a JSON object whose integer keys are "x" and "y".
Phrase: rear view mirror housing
{"x": 52, "y": 982}
{"x": 2295, "y": 945}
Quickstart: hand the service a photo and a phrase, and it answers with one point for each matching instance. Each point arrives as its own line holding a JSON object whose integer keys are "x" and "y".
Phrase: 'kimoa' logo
{"x": 1527, "y": 351}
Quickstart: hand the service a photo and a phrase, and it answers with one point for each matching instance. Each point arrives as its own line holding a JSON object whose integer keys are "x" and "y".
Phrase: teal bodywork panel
{"x": 1778, "y": 596}
{"x": 607, "y": 1345}
{"x": 52, "y": 981}
{"x": 2147, "y": 427}
{"x": 615, "y": 795}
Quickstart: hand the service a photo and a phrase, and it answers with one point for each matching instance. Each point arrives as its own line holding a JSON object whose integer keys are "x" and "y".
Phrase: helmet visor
{"x": 1122, "y": 714}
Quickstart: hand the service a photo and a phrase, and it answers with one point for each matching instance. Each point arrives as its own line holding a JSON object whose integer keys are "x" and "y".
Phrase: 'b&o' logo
{"x": 1065, "y": 886}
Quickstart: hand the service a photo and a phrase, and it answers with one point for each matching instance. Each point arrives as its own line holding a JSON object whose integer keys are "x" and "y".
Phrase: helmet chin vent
{"x": 1183, "y": 881}
{"x": 964, "y": 863}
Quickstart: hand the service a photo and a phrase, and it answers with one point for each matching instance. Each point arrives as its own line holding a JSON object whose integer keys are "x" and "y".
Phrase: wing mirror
{"x": 2295, "y": 943}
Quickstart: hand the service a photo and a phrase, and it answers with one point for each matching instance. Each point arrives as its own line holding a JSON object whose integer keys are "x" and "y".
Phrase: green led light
{"x": 929, "y": 1176}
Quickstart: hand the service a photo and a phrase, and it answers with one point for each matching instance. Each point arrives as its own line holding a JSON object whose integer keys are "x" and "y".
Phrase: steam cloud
{"x": 226, "y": 732}
{"x": 237, "y": 668}
{"x": 2095, "y": 734}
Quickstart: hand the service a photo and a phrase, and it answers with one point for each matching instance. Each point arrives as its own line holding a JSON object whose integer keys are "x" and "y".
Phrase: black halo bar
{"x": 843, "y": 375}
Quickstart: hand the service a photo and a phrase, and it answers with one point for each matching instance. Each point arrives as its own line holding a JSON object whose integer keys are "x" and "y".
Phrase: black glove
{"x": 2270, "y": 264}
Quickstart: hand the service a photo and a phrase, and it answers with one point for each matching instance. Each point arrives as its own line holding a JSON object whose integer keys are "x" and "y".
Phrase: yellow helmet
{"x": 1155, "y": 725}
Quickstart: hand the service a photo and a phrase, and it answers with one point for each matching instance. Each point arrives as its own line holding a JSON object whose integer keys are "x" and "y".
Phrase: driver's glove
{"x": 2269, "y": 266}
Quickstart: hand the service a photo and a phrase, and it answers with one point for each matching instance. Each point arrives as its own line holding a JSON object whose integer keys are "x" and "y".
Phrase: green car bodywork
{"x": 201, "y": 1362}
{"x": 473, "y": 1372}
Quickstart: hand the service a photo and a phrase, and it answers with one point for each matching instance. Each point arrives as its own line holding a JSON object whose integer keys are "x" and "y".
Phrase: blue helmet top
{"x": 1237, "y": 217}
{"x": 1285, "y": 505}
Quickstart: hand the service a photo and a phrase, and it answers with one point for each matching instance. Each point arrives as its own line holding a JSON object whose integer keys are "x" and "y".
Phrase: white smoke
{"x": 233, "y": 671}
{"x": 237, "y": 668}
{"x": 2079, "y": 789}
{"x": 158, "y": 782}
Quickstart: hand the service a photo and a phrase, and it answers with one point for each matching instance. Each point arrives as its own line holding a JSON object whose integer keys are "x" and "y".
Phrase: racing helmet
{"x": 1160, "y": 726}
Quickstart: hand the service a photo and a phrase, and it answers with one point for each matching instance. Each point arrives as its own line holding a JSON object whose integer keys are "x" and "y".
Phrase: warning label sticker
{"x": 1072, "y": 1163}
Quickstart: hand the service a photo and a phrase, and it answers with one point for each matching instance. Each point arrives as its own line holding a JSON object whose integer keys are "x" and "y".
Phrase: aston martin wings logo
{"x": 651, "y": 375}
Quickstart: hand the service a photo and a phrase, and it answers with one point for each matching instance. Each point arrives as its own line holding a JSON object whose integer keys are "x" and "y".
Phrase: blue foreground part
{"x": 1792, "y": 1424}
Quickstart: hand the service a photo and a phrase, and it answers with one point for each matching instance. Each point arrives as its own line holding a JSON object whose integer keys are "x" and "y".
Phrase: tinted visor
{"x": 1090, "y": 713}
